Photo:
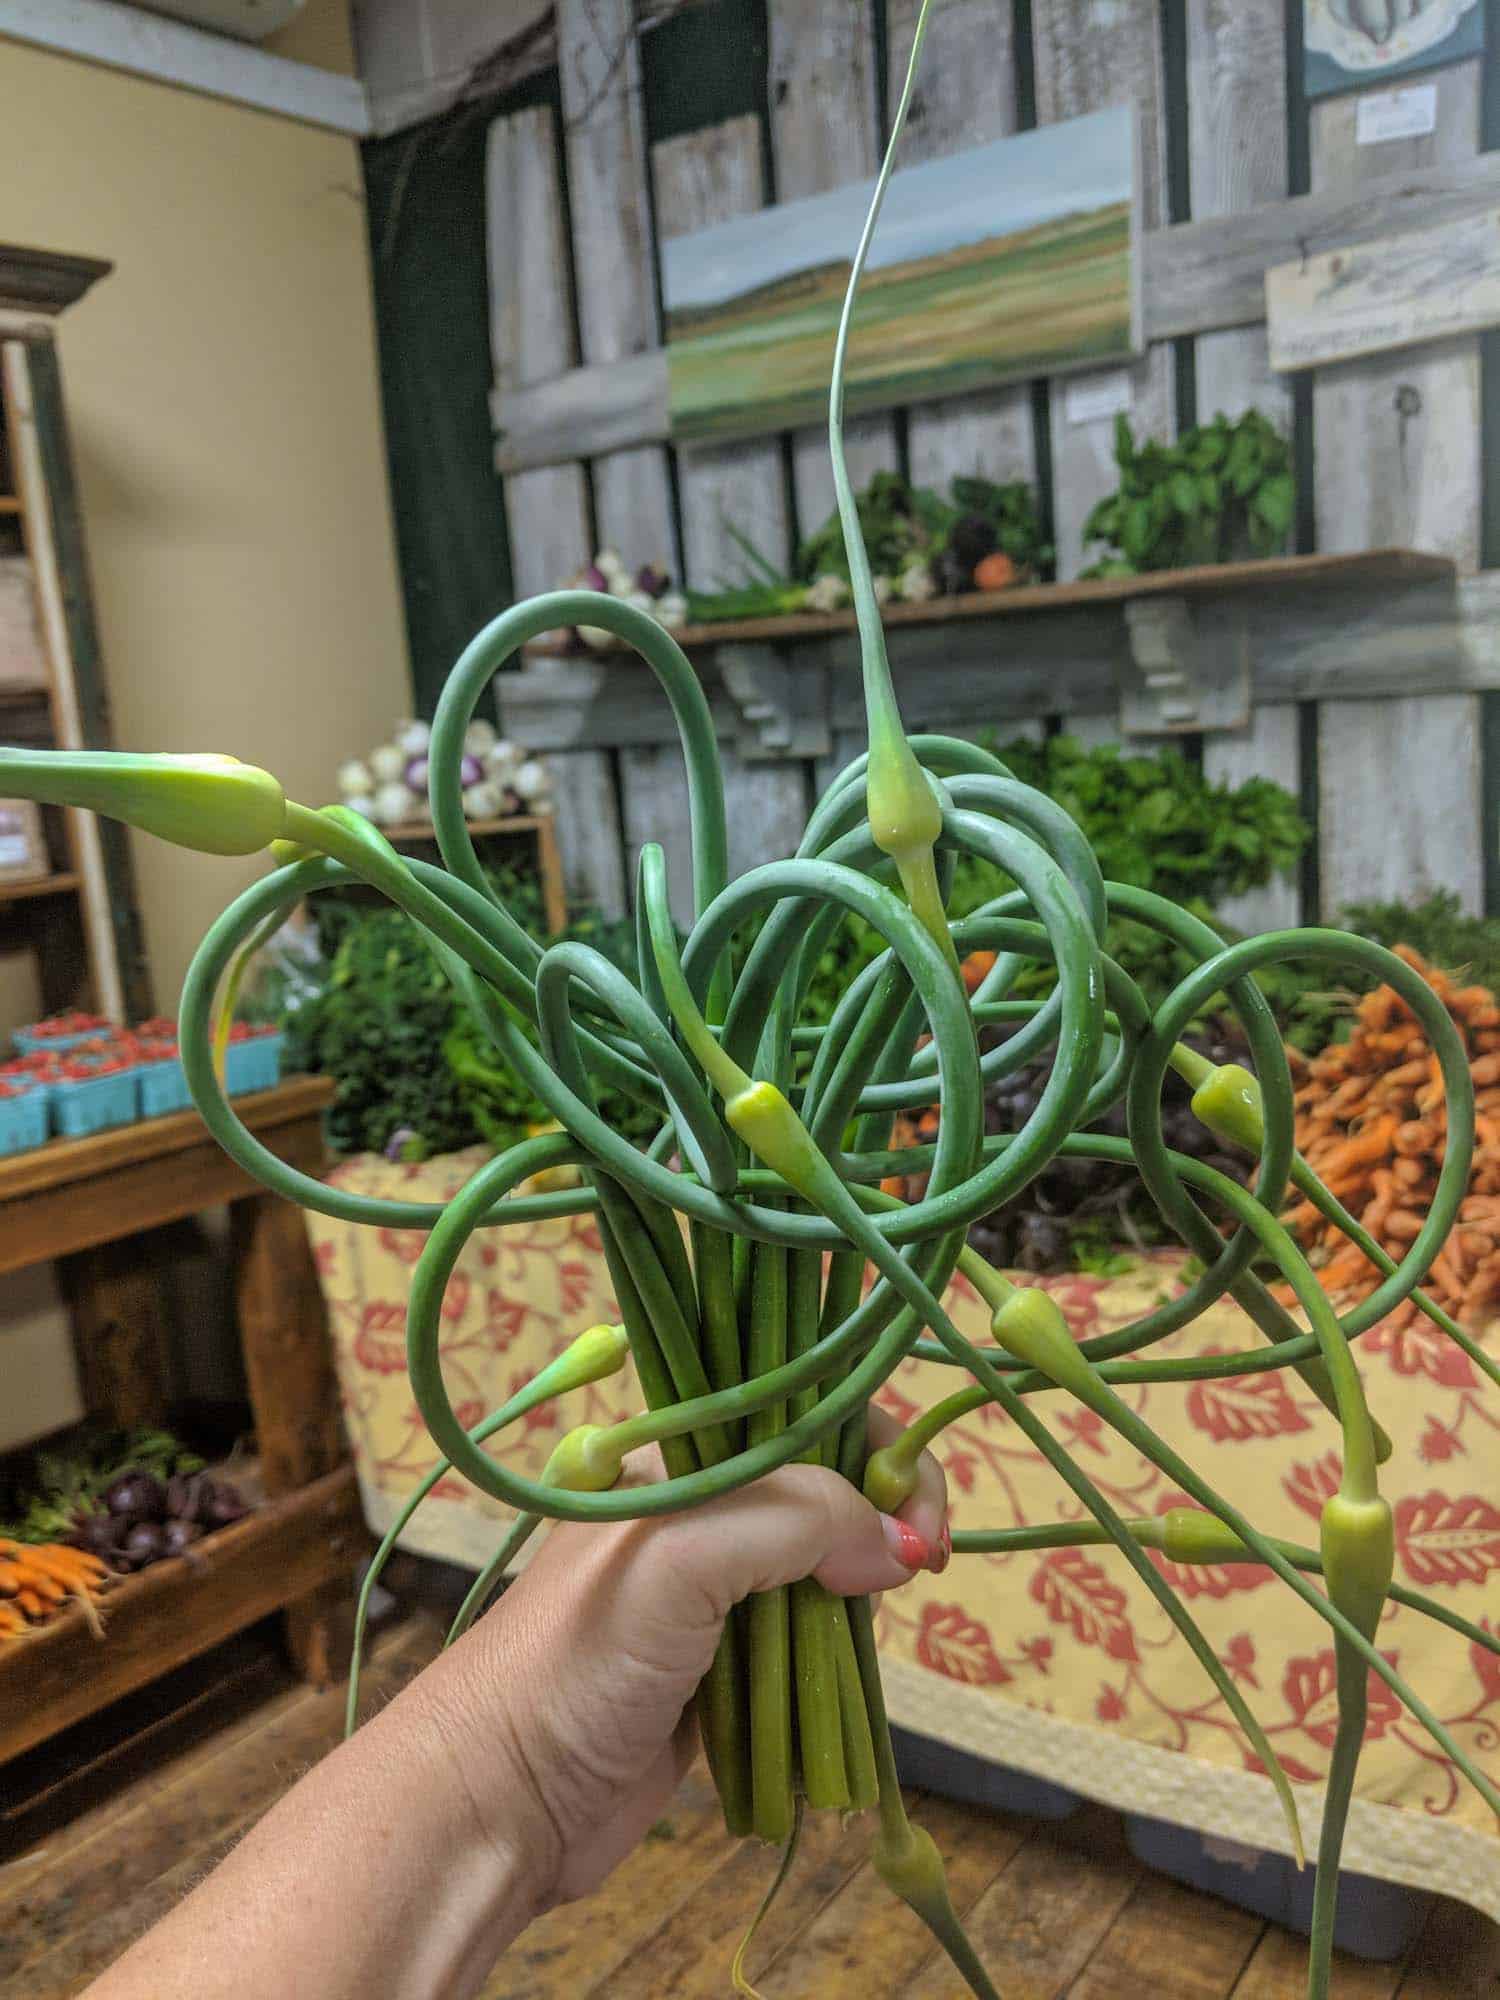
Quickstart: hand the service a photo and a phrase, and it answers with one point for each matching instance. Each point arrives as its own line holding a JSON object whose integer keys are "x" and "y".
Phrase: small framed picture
{"x": 23, "y": 846}
{"x": 22, "y": 661}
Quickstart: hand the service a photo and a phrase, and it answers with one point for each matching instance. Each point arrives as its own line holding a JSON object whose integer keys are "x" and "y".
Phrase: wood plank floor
{"x": 98, "y": 1837}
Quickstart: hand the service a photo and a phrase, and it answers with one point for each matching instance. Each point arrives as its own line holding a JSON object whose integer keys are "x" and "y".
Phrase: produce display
{"x": 1077, "y": 1212}
{"x": 773, "y": 1138}
{"x": 109, "y": 1504}
{"x": 69, "y": 1080}
{"x": 1373, "y": 1122}
{"x": 1223, "y": 492}
{"x": 38, "y": 1578}
{"x": 983, "y": 536}
{"x": 389, "y": 786}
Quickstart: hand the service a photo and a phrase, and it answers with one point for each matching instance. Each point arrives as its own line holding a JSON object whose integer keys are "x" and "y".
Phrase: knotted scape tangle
{"x": 754, "y": 1340}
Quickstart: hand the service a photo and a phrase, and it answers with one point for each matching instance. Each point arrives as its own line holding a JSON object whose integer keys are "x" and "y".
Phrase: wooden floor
{"x": 99, "y": 1835}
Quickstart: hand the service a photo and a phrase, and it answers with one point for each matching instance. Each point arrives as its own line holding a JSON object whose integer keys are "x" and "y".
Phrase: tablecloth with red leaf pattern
{"x": 1056, "y": 1663}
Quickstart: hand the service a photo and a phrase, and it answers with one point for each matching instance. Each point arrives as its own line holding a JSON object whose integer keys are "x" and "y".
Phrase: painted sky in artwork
{"x": 1009, "y": 185}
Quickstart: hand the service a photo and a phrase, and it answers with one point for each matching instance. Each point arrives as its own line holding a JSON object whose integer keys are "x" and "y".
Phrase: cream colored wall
{"x": 223, "y": 400}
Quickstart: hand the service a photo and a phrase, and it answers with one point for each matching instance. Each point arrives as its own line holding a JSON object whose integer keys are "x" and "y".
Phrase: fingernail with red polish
{"x": 942, "y": 1555}
{"x": 911, "y": 1550}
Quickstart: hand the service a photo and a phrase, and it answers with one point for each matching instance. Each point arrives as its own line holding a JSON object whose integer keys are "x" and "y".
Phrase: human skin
{"x": 528, "y": 1759}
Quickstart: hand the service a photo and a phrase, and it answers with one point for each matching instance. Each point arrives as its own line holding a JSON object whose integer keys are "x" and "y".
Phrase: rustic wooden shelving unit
{"x": 78, "y": 923}
{"x": 1366, "y": 567}
{"x": 94, "y": 1204}
{"x": 538, "y": 827}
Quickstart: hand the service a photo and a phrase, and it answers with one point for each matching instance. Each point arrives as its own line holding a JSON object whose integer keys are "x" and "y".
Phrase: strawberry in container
{"x": 60, "y": 1031}
{"x": 95, "y": 1086}
{"x": 23, "y": 1113}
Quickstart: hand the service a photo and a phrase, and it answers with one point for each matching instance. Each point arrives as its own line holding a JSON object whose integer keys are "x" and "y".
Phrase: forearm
{"x": 375, "y": 1874}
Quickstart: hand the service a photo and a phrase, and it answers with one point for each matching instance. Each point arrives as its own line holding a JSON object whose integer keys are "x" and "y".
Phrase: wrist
{"x": 496, "y": 1812}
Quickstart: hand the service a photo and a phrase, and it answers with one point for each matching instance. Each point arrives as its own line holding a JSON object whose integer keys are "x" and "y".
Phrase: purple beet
{"x": 179, "y": 1535}
{"x": 145, "y": 1543}
{"x": 138, "y": 1496}
{"x": 223, "y": 1505}
{"x": 187, "y": 1493}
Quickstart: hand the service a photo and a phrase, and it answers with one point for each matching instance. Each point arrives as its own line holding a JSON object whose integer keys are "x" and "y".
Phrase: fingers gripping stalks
{"x": 773, "y": 1138}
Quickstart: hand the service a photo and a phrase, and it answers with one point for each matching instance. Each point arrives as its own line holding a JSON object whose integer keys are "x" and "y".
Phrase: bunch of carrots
{"x": 38, "y": 1578}
{"x": 1372, "y": 1123}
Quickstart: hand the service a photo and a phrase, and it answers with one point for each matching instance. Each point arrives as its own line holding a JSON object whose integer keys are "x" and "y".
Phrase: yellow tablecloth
{"x": 1060, "y": 1663}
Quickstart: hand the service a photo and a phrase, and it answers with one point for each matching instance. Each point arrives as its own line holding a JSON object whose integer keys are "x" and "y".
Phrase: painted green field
{"x": 996, "y": 311}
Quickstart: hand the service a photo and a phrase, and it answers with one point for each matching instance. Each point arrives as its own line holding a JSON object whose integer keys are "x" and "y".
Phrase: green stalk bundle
{"x": 752, "y": 1338}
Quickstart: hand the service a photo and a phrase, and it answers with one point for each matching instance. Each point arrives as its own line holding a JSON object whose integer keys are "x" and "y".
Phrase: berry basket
{"x": 96, "y": 1088}
{"x": 23, "y": 1115}
{"x": 61, "y": 1031}
{"x": 253, "y": 1059}
{"x": 163, "y": 1087}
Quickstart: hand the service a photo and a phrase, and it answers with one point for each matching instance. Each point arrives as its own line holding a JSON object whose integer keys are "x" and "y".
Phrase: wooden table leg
{"x": 120, "y": 1331}
{"x": 294, "y": 1395}
{"x": 549, "y": 865}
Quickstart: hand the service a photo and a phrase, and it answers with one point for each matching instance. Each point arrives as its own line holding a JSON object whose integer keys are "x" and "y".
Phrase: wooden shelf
{"x": 9, "y": 504}
{"x": 73, "y": 1193}
{"x": 44, "y": 885}
{"x": 1365, "y": 568}
{"x": 423, "y": 829}
{"x": 283, "y": 1550}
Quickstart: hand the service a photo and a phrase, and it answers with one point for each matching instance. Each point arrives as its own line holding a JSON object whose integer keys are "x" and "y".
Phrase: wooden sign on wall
{"x": 1398, "y": 292}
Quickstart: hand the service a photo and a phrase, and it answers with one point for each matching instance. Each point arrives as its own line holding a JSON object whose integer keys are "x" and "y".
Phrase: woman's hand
{"x": 522, "y": 1764}
{"x": 571, "y": 1704}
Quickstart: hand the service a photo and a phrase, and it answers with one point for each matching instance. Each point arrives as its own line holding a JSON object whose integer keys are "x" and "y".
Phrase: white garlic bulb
{"x": 393, "y": 803}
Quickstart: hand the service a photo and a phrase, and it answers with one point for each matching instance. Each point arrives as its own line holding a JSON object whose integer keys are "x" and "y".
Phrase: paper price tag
{"x": 1090, "y": 397}
{"x": 1396, "y": 114}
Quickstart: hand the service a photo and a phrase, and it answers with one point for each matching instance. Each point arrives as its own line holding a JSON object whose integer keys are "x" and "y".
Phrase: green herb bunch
{"x": 1223, "y": 492}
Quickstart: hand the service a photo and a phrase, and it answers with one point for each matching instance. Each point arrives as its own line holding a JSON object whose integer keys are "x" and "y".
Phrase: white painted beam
{"x": 104, "y": 31}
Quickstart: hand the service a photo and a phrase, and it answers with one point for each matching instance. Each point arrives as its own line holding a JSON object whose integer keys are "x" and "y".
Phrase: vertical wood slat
{"x": 547, "y": 511}
{"x": 1397, "y": 456}
{"x": 1237, "y": 160}
{"x": 1269, "y": 748}
{"x": 702, "y": 178}
{"x": 1398, "y": 801}
{"x": 824, "y": 132}
{"x": 965, "y": 96}
{"x": 654, "y": 807}
{"x": 1088, "y": 57}
{"x": 599, "y": 72}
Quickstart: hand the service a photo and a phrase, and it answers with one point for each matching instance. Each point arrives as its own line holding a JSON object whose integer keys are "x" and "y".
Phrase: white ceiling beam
{"x": 105, "y": 31}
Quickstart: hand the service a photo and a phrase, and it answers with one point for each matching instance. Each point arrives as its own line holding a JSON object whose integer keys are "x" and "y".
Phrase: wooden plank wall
{"x": 580, "y": 196}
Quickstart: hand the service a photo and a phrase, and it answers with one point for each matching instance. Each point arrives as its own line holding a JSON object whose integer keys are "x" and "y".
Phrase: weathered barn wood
{"x": 1396, "y": 663}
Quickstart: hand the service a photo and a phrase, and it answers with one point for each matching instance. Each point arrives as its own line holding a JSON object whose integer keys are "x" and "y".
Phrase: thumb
{"x": 802, "y": 1520}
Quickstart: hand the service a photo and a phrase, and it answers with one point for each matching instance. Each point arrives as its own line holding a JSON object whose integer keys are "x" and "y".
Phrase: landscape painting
{"x": 1010, "y": 260}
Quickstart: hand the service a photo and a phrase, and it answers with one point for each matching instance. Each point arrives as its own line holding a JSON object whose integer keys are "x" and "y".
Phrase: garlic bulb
{"x": 354, "y": 780}
{"x": 483, "y": 801}
{"x": 387, "y": 763}
{"x": 393, "y": 803}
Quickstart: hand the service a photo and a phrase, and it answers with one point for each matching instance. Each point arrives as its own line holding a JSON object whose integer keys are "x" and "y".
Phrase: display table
{"x": 93, "y": 1205}
{"x": 1055, "y": 1663}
